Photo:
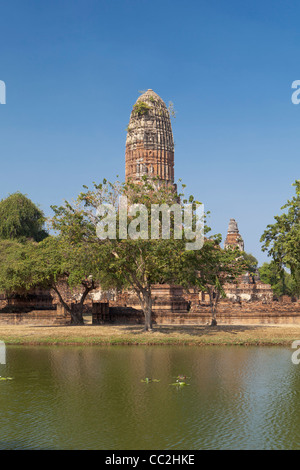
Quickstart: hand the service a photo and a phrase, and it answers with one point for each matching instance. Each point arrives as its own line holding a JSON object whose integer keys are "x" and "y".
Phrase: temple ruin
{"x": 150, "y": 152}
{"x": 233, "y": 238}
{"x": 149, "y": 142}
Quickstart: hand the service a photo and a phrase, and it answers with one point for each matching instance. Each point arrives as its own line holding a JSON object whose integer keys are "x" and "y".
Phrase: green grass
{"x": 110, "y": 335}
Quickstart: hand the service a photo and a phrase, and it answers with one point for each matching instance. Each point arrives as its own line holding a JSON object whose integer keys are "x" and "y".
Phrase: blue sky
{"x": 73, "y": 70}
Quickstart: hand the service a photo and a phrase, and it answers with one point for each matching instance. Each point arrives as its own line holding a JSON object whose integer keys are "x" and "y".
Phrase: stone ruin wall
{"x": 171, "y": 305}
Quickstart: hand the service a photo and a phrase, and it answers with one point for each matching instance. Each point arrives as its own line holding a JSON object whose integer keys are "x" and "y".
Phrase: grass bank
{"x": 282, "y": 335}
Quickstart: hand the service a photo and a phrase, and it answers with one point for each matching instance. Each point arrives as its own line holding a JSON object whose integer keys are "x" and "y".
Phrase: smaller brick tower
{"x": 149, "y": 143}
{"x": 234, "y": 238}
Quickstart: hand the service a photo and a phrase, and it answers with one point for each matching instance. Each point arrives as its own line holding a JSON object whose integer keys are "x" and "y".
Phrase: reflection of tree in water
{"x": 106, "y": 384}
{"x": 238, "y": 397}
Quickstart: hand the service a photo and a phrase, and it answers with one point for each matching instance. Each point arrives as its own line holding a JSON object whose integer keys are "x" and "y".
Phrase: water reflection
{"x": 93, "y": 398}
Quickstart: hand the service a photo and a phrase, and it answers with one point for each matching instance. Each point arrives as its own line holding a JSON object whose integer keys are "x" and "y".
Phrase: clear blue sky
{"x": 73, "y": 69}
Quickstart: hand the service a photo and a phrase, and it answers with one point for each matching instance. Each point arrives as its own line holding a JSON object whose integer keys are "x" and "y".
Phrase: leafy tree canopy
{"x": 21, "y": 219}
{"x": 24, "y": 266}
{"x": 211, "y": 268}
{"x": 250, "y": 262}
{"x": 282, "y": 239}
{"x": 78, "y": 254}
{"x": 281, "y": 281}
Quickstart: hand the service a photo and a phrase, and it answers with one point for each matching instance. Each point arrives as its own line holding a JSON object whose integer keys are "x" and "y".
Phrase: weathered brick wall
{"x": 35, "y": 299}
{"x": 127, "y": 315}
{"x": 57, "y": 316}
{"x": 149, "y": 142}
{"x": 171, "y": 305}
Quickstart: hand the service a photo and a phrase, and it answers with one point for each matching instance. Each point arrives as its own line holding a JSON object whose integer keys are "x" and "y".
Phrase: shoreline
{"x": 110, "y": 335}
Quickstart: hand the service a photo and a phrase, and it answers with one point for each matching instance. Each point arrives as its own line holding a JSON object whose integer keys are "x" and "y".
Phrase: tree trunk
{"x": 213, "y": 304}
{"x": 76, "y": 314}
{"x": 76, "y": 317}
{"x": 147, "y": 309}
{"x": 214, "y": 319}
{"x": 283, "y": 283}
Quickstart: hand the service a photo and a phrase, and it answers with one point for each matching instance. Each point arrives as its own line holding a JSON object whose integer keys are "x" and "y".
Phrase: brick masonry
{"x": 233, "y": 238}
{"x": 171, "y": 305}
{"x": 149, "y": 142}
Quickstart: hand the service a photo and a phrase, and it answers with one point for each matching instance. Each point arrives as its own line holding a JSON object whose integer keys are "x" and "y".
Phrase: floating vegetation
{"x": 180, "y": 383}
{"x": 182, "y": 377}
{"x": 147, "y": 380}
{"x": 5, "y": 378}
{"x": 180, "y": 380}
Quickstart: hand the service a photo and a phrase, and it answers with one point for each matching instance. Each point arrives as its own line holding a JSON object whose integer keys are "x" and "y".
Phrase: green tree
{"x": 141, "y": 262}
{"x": 24, "y": 266}
{"x": 211, "y": 268}
{"x": 80, "y": 256}
{"x": 13, "y": 266}
{"x": 282, "y": 239}
{"x": 281, "y": 281}
{"x": 54, "y": 260}
{"x": 251, "y": 262}
{"x": 125, "y": 262}
{"x": 21, "y": 219}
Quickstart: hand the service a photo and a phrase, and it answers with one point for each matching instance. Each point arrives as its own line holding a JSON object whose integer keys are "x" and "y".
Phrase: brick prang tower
{"x": 149, "y": 143}
{"x": 234, "y": 238}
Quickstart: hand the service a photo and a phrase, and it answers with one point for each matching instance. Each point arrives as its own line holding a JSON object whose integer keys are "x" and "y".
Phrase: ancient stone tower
{"x": 234, "y": 238}
{"x": 149, "y": 143}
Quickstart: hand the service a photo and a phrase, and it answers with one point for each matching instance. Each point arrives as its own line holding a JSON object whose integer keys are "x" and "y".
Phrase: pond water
{"x": 93, "y": 398}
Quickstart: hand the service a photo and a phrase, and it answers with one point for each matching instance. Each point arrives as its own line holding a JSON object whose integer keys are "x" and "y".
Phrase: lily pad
{"x": 180, "y": 384}
{"x": 147, "y": 380}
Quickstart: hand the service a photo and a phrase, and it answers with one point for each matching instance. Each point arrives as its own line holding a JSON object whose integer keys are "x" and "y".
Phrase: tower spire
{"x": 234, "y": 238}
{"x": 149, "y": 142}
